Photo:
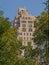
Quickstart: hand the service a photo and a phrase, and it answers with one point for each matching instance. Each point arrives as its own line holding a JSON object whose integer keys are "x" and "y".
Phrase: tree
{"x": 47, "y": 6}
{"x": 4, "y": 25}
{"x": 9, "y": 47}
{"x": 9, "y": 44}
{"x": 30, "y": 56}
{"x": 41, "y": 36}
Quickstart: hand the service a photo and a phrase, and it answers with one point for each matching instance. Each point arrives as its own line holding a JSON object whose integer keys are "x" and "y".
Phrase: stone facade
{"x": 24, "y": 23}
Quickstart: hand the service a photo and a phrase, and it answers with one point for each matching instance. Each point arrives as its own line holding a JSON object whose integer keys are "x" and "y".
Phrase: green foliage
{"x": 30, "y": 56}
{"x": 47, "y": 6}
{"x": 4, "y": 25}
{"x": 20, "y": 61}
{"x": 9, "y": 44}
{"x": 9, "y": 47}
{"x": 42, "y": 28}
{"x": 41, "y": 35}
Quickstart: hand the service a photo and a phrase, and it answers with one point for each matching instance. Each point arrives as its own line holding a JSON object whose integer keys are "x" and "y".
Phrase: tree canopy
{"x": 9, "y": 44}
{"x": 41, "y": 35}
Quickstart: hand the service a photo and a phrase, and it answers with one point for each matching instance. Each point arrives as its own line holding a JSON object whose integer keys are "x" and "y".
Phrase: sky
{"x": 10, "y": 7}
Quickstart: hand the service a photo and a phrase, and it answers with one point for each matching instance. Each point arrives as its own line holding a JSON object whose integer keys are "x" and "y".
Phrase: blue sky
{"x": 10, "y": 7}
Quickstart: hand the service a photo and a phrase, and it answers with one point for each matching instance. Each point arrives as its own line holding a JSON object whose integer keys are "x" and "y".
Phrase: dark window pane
{"x": 23, "y": 29}
{"x": 23, "y": 21}
{"x": 24, "y": 33}
{"x": 27, "y": 33}
{"x": 30, "y": 30}
{"x": 23, "y": 25}
{"x": 30, "y": 34}
{"x": 29, "y": 21}
{"x": 30, "y": 25}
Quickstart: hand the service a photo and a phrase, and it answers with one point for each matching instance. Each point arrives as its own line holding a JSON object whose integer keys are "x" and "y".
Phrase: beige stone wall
{"x": 29, "y": 24}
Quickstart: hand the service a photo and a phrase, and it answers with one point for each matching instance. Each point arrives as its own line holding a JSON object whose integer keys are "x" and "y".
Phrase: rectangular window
{"x": 29, "y": 21}
{"x": 30, "y": 29}
{"x": 23, "y": 25}
{"x": 27, "y": 33}
{"x": 24, "y": 33}
{"x": 24, "y": 29}
{"x": 28, "y": 17}
{"x": 23, "y": 21}
{"x": 30, "y": 33}
{"x": 30, "y": 25}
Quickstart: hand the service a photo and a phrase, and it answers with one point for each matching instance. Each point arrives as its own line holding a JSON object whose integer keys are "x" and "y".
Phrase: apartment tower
{"x": 24, "y": 23}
